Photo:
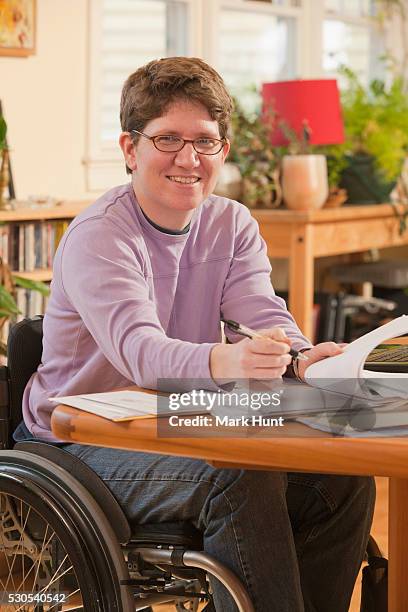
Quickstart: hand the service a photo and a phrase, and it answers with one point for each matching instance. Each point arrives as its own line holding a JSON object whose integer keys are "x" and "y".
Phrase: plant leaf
{"x": 31, "y": 284}
{"x": 7, "y": 302}
{"x": 3, "y": 131}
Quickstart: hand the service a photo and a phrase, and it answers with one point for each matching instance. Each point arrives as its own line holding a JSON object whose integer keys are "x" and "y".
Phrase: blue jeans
{"x": 295, "y": 540}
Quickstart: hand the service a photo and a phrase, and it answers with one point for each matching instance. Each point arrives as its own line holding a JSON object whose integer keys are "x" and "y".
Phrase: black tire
{"x": 46, "y": 497}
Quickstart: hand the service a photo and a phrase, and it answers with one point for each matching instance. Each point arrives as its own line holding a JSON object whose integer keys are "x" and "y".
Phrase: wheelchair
{"x": 65, "y": 543}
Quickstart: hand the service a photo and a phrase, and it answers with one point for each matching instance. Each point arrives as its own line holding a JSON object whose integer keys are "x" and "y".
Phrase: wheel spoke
{"x": 33, "y": 556}
{"x": 20, "y": 541}
{"x": 56, "y": 576}
{"x": 43, "y": 547}
{"x": 66, "y": 601}
{"x": 5, "y": 551}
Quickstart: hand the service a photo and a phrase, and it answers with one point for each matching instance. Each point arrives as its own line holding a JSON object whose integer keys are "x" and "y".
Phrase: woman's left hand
{"x": 318, "y": 352}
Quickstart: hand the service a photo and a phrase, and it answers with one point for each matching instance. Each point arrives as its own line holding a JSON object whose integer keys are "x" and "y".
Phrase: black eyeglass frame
{"x": 222, "y": 142}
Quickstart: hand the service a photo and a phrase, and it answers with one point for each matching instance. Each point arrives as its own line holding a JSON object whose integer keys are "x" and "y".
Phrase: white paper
{"x": 349, "y": 365}
{"x": 115, "y": 405}
{"x": 121, "y": 405}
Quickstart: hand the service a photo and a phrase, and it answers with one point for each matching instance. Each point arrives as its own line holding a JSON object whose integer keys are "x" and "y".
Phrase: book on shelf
{"x": 30, "y": 303}
{"x": 31, "y": 246}
{"x": 27, "y": 247}
{"x": 29, "y": 253}
{"x": 37, "y": 246}
{"x": 4, "y": 243}
{"x": 20, "y": 248}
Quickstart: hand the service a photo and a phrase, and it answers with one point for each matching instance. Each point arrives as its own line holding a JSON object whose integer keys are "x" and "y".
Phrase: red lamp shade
{"x": 315, "y": 103}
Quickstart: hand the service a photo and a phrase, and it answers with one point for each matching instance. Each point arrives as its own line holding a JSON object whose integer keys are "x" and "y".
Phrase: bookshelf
{"x": 42, "y": 274}
{"x": 29, "y": 237}
{"x": 63, "y": 210}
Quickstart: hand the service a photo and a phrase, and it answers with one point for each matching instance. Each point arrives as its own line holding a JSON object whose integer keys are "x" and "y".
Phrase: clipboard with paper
{"x": 347, "y": 373}
{"x": 350, "y": 364}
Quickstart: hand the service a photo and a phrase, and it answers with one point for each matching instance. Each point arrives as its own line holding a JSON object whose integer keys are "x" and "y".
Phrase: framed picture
{"x": 17, "y": 27}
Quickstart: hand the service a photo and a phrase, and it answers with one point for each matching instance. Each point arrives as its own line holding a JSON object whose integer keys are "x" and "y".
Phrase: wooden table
{"x": 379, "y": 457}
{"x": 303, "y": 236}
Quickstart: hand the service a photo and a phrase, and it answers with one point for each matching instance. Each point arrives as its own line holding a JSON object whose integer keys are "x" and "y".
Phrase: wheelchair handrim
{"x": 104, "y": 551}
{"x": 40, "y": 507}
{"x": 95, "y": 595}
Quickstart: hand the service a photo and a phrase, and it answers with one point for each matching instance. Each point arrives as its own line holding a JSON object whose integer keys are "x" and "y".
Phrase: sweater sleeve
{"x": 248, "y": 295}
{"x": 103, "y": 279}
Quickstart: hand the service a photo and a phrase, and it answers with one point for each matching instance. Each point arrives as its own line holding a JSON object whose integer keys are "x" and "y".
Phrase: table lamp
{"x": 311, "y": 110}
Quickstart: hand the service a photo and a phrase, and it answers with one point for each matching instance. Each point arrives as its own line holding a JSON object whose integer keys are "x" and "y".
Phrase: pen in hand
{"x": 243, "y": 330}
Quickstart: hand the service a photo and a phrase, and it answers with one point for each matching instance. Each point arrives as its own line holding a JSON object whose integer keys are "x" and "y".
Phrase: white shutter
{"x": 133, "y": 33}
{"x": 350, "y": 37}
{"x": 125, "y": 34}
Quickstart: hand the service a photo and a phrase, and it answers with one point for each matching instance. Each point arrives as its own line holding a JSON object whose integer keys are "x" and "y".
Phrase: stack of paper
{"x": 116, "y": 405}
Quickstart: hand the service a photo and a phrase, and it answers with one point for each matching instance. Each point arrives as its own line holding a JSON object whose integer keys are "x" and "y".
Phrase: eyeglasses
{"x": 168, "y": 143}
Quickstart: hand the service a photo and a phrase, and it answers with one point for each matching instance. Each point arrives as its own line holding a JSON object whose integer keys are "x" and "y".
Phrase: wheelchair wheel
{"x": 56, "y": 552}
{"x": 35, "y": 566}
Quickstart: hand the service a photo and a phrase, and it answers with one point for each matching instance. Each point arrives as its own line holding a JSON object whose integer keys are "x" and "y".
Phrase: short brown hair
{"x": 149, "y": 91}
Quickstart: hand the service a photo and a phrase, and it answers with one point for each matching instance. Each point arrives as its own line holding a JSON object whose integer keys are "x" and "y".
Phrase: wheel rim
{"x": 78, "y": 522}
{"x": 34, "y": 561}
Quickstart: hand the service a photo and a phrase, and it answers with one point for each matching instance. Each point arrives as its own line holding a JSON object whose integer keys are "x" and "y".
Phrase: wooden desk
{"x": 303, "y": 236}
{"x": 381, "y": 457}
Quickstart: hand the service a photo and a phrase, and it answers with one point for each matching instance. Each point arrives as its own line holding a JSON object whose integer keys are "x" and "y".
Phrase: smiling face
{"x": 169, "y": 186}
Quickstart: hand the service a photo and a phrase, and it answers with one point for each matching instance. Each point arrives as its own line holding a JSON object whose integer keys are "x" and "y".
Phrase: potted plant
{"x": 376, "y": 127}
{"x": 252, "y": 152}
{"x": 9, "y": 281}
{"x": 8, "y": 306}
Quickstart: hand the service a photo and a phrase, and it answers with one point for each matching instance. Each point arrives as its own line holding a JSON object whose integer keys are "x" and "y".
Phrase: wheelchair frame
{"x": 124, "y": 571}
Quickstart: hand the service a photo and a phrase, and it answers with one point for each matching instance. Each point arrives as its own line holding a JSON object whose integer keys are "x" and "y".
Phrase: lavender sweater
{"x": 131, "y": 304}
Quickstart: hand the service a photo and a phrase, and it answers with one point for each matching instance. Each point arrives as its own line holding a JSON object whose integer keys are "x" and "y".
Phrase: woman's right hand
{"x": 258, "y": 358}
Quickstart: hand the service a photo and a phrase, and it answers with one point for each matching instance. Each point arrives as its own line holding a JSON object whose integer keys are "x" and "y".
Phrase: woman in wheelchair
{"x": 141, "y": 279}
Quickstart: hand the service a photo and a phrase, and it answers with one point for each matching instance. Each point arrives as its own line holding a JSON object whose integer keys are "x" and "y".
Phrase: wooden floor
{"x": 379, "y": 531}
